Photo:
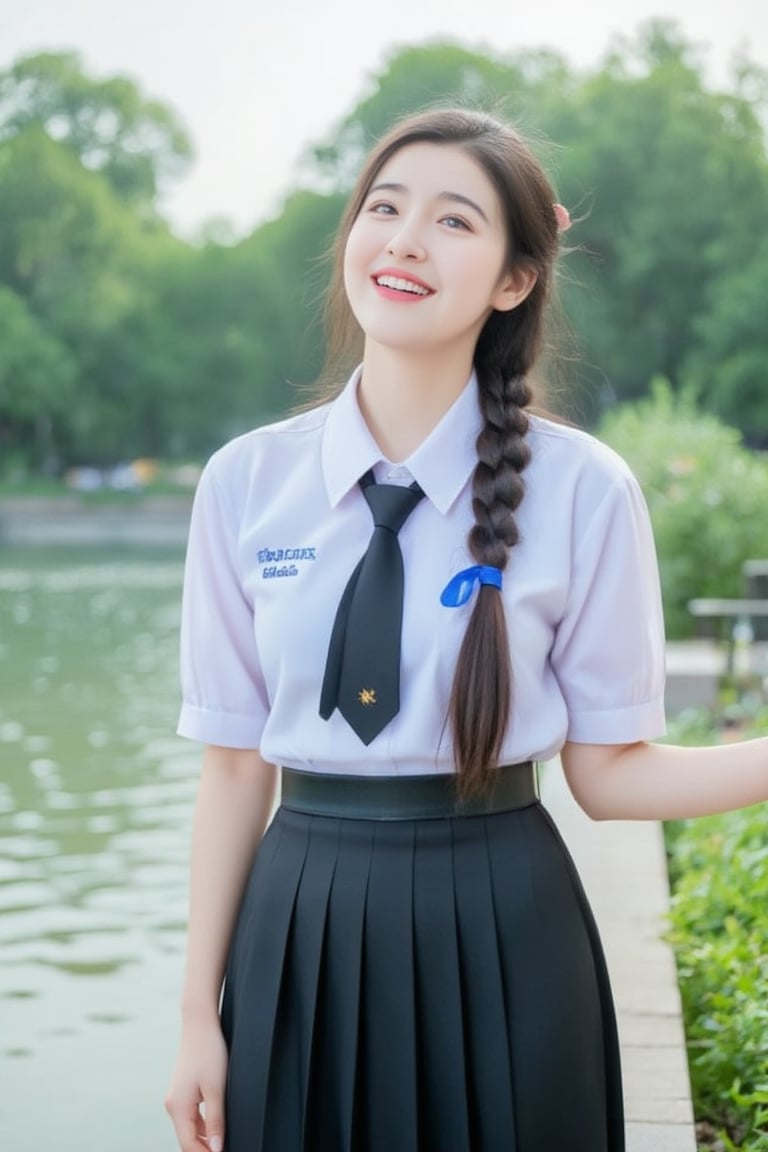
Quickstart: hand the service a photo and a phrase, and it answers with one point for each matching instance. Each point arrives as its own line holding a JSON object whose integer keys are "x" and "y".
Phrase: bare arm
{"x": 665, "y": 782}
{"x": 234, "y": 803}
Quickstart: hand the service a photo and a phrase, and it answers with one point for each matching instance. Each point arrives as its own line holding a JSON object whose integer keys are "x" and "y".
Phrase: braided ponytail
{"x": 481, "y": 693}
{"x": 482, "y": 684}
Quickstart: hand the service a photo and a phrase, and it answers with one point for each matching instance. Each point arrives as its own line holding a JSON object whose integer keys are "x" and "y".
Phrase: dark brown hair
{"x": 507, "y": 349}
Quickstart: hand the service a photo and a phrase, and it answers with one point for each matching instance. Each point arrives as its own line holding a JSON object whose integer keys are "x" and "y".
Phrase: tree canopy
{"x": 121, "y": 339}
{"x": 109, "y": 125}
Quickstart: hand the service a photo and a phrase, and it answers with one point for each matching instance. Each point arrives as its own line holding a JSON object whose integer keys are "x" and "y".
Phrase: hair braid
{"x": 482, "y": 685}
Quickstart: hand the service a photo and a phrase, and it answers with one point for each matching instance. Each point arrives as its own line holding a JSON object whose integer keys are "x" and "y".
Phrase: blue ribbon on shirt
{"x": 460, "y": 587}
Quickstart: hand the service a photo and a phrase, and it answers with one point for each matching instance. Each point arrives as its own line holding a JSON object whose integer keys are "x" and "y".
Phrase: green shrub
{"x": 719, "y": 932}
{"x": 707, "y": 495}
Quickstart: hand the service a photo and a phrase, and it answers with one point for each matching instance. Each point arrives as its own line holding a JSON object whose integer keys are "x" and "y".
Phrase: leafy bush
{"x": 719, "y": 876}
{"x": 707, "y": 495}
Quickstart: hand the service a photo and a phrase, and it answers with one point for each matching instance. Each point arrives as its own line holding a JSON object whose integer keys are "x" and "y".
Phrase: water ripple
{"x": 96, "y": 793}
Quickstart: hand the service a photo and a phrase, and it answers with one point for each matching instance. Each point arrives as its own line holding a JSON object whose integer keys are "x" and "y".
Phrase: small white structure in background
{"x": 84, "y": 479}
{"x": 130, "y": 476}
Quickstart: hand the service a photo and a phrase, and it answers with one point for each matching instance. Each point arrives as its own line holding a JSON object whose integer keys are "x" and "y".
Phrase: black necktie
{"x": 362, "y": 672}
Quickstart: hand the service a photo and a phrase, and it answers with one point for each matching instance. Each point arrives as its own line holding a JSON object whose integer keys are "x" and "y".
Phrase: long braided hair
{"x": 507, "y": 349}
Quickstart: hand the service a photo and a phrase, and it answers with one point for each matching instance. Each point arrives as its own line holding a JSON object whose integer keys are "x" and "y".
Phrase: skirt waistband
{"x": 405, "y": 797}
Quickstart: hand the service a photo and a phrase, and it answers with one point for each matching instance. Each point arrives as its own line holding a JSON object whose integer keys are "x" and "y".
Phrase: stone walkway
{"x": 623, "y": 868}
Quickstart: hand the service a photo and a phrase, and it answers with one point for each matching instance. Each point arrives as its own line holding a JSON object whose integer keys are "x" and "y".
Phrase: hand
{"x": 199, "y": 1079}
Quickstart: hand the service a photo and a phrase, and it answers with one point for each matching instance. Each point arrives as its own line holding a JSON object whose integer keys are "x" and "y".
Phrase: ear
{"x": 514, "y": 287}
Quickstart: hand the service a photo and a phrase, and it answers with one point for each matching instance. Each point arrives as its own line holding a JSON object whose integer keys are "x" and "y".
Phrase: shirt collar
{"x": 441, "y": 464}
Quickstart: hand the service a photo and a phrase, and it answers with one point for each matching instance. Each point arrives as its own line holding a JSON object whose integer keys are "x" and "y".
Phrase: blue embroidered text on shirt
{"x": 273, "y": 571}
{"x": 278, "y": 560}
{"x": 276, "y": 555}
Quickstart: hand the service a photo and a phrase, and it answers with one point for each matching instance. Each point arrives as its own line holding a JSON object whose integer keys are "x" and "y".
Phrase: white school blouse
{"x": 278, "y": 525}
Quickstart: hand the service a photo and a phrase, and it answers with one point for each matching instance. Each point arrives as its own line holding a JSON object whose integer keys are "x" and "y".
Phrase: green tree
{"x": 81, "y": 246}
{"x": 515, "y": 86}
{"x": 61, "y": 233}
{"x": 80, "y": 259}
{"x": 289, "y": 258}
{"x": 201, "y": 338}
{"x": 250, "y": 315}
{"x": 706, "y": 493}
{"x": 36, "y": 386}
{"x": 136, "y": 143}
{"x": 652, "y": 163}
{"x": 173, "y": 347}
{"x": 728, "y": 364}
{"x": 659, "y": 164}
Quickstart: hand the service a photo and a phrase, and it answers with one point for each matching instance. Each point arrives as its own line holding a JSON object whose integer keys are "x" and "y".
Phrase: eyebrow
{"x": 451, "y": 197}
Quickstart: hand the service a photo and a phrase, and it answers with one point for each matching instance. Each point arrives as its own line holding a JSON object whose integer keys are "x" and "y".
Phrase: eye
{"x": 382, "y": 208}
{"x": 456, "y": 223}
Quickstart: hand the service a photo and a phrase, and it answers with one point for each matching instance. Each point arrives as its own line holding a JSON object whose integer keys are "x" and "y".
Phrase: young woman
{"x": 407, "y": 958}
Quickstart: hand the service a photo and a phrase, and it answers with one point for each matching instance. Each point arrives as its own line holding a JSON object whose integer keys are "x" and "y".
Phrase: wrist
{"x": 197, "y": 1009}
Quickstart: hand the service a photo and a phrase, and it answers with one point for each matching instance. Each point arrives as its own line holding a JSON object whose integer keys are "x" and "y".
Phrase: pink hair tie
{"x": 563, "y": 218}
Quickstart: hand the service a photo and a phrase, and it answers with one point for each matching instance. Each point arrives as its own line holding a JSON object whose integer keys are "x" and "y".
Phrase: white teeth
{"x": 401, "y": 285}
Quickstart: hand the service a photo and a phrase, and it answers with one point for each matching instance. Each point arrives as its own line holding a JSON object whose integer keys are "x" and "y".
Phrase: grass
{"x": 51, "y": 489}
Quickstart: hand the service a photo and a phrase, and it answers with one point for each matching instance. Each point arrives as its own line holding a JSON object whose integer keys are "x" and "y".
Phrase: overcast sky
{"x": 254, "y": 83}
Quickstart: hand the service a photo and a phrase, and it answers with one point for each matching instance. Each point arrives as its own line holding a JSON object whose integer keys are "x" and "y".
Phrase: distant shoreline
{"x": 72, "y": 520}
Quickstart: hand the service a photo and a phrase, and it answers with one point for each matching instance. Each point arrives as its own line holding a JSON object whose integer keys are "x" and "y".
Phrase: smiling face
{"x": 426, "y": 260}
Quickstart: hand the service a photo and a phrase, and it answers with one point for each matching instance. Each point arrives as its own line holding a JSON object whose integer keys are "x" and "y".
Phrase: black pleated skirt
{"x": 419, "y": 985}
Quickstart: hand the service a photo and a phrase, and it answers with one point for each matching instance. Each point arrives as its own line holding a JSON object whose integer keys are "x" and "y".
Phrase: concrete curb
{"x": 126, "y": 521}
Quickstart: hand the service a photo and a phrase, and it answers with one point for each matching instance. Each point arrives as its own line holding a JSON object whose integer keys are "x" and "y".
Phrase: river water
{"x": 96, "y": 796}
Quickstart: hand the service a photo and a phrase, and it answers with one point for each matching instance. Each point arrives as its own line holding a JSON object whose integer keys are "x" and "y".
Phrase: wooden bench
{"x": 731, "y": 614}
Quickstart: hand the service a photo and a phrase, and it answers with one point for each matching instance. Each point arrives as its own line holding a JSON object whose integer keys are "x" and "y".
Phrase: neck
{"x": 403, "y": 397}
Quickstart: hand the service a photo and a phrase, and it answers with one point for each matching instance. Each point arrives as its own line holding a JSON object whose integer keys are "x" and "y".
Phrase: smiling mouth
{"x": 399, "y": 284}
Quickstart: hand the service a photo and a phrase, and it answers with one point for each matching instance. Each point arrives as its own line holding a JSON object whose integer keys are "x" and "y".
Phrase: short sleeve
{"x": 609, "y": 650}
{"x": 223, "y": 691}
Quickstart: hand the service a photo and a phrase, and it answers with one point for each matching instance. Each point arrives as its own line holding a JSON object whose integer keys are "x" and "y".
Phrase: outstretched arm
{"x": 646, "y": 781}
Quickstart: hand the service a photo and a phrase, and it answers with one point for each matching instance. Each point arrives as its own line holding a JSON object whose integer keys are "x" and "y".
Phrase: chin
{"x": 401, "y": 333}
{"x": 415, "y": 345}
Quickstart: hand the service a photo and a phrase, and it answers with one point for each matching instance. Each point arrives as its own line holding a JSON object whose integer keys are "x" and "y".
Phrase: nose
{"x": 405, "y": 243}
